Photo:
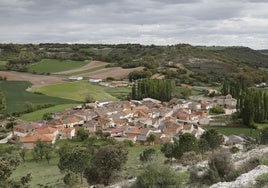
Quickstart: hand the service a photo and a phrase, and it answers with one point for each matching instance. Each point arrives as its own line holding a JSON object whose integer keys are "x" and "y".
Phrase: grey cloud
{"x": 206, "y": 22}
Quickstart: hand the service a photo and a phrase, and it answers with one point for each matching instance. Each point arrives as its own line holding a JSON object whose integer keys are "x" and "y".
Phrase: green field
{"x": 238, "y": 130}
{"x": 37, "y": 115}
{"x": 119, "y": 92}
{"x": 2, "y": 64}
{"x": 77, "y": 90}
{"x": 16, "y": 96}
{"x": 49, "y": 174}
{"x": 54, "y": 65}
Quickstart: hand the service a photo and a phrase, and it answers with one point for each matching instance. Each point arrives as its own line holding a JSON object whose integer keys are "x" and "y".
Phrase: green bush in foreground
{"x": 262, "y": 180}
{"x": 157, "y": 176}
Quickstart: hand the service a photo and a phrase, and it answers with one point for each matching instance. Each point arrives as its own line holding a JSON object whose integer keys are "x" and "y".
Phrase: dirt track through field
{"x": 90, "y": 65}
{"x": 36, "y": 80}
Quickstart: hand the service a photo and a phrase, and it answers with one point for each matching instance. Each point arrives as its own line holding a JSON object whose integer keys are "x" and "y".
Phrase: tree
{"x": 147, "y": 155}
{"x": 82, "y": 134}
{"x": 213, "y": 138}
{"x": 2, "y": 101}
{"x": 70, "y": 179}
{"x": 217, "y": 110}
{"x": 158, "y": 176}
{"x": 89, "y": 99}
{"x": 22, "y": 153}
{"x": 42, "y": 150}
{"x": 168, "y": 150}
{"x": 158, "y": 89}
{"x": 151, "y": 139}
{"x": 203, "y": 146}
{"x": 47, "y": 116}
{"x": 76, "y": 161}
{"x": 7, "y": 166}
{"x": 186, "y": 142}
{"x": 264, "y": 136}
{"x": 29, "y": 106}
{"x": 105, "y": 163}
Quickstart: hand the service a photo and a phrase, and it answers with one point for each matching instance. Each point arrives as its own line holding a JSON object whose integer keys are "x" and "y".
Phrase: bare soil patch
{"x": 36, "y": 80}
{"x": 90, "y": 65}
{"x": 115, "y": 72}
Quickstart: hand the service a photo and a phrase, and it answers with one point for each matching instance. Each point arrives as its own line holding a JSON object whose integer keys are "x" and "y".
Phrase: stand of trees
{"x": 97, "y": 165}
{"x": 254, "y": 107}
{"x": 210, "y": 140}
{"x": 7, "y": 166}
{"x": 2, "y": 101}
{"x": 235, "y": 88}
{"x": 157, "y": 89}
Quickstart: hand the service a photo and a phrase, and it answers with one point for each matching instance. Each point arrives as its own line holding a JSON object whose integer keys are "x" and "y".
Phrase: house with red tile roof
{"x": 49, "y": 131}
{"x": 24, "y": 128}
{"x": 30, "y": 141}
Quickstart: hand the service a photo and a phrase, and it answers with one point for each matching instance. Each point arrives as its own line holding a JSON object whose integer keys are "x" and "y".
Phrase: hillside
{"x": 189, "y": 64}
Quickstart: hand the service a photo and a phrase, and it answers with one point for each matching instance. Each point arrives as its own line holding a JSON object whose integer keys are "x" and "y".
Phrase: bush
{"x": 158, "y": 176}
{"x": 70, "y": 179}
{"x": 248, "y": 166}
{"x": 262, "y": 180}
{"x": 128, "y": 143}
{"x": 264, "y": 160}
{"x": 220, "y": 168}
{"x": 217, "y": 110}
{"x": 234, "y": 149}
{"x": 190, "y": 158}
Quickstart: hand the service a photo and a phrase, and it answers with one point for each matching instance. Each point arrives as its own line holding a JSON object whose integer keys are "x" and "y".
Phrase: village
{"x": 128, "y": 120}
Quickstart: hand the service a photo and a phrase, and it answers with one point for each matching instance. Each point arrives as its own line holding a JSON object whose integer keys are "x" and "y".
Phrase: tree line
{"x": 162, "y": 90}
{"x": 253, "y": 106}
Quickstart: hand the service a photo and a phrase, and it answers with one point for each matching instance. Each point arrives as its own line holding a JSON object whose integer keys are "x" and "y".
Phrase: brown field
{"x": 90, "y": 65}
{"x": 36, "y": 80}
{"x": 115, "y": 72}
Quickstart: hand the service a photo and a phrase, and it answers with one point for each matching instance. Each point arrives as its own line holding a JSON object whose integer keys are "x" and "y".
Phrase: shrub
{"x": 264, "y": 160}
{"x": 70, "y": 179}
{"x": 248, "y": 166}
{"x": 234, "y": 149}
{"x": 158, "y": 176}
{"x": 220, "y": 168}
{"x": 262, "y": 180}
{"x": 190, "y": 158}
{"x": 128, "y": 143}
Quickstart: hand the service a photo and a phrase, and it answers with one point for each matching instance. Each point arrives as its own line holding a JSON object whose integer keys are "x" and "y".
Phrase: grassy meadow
{"x": 16, "y": 96}
{"x": 54, "y": 65}
{"x": 49, "y": 174}
{"x": 236, "y": 130}
{"x": 77, "y": 90}
{"x": 119, "y": 92}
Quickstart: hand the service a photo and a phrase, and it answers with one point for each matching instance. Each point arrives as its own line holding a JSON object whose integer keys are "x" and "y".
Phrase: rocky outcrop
{"x": 245, "y": 180}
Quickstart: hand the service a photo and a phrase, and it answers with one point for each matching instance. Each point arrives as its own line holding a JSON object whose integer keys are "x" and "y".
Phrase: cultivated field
{"x": 77, "y": 90}
{"x": 16, "y": 96}
{"x": 36, "y": 80}
{"x": 114, "y": 72}
{"x": 89, "y": 66}
{"x": 38, "y": 115}
{"x": 54, "y": 65}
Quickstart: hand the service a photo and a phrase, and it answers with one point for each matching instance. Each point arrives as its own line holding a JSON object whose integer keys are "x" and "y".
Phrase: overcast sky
{"x": 160, "y": 22}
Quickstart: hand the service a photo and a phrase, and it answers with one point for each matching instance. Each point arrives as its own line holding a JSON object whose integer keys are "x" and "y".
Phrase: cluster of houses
{"x": 131, "y": 120}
